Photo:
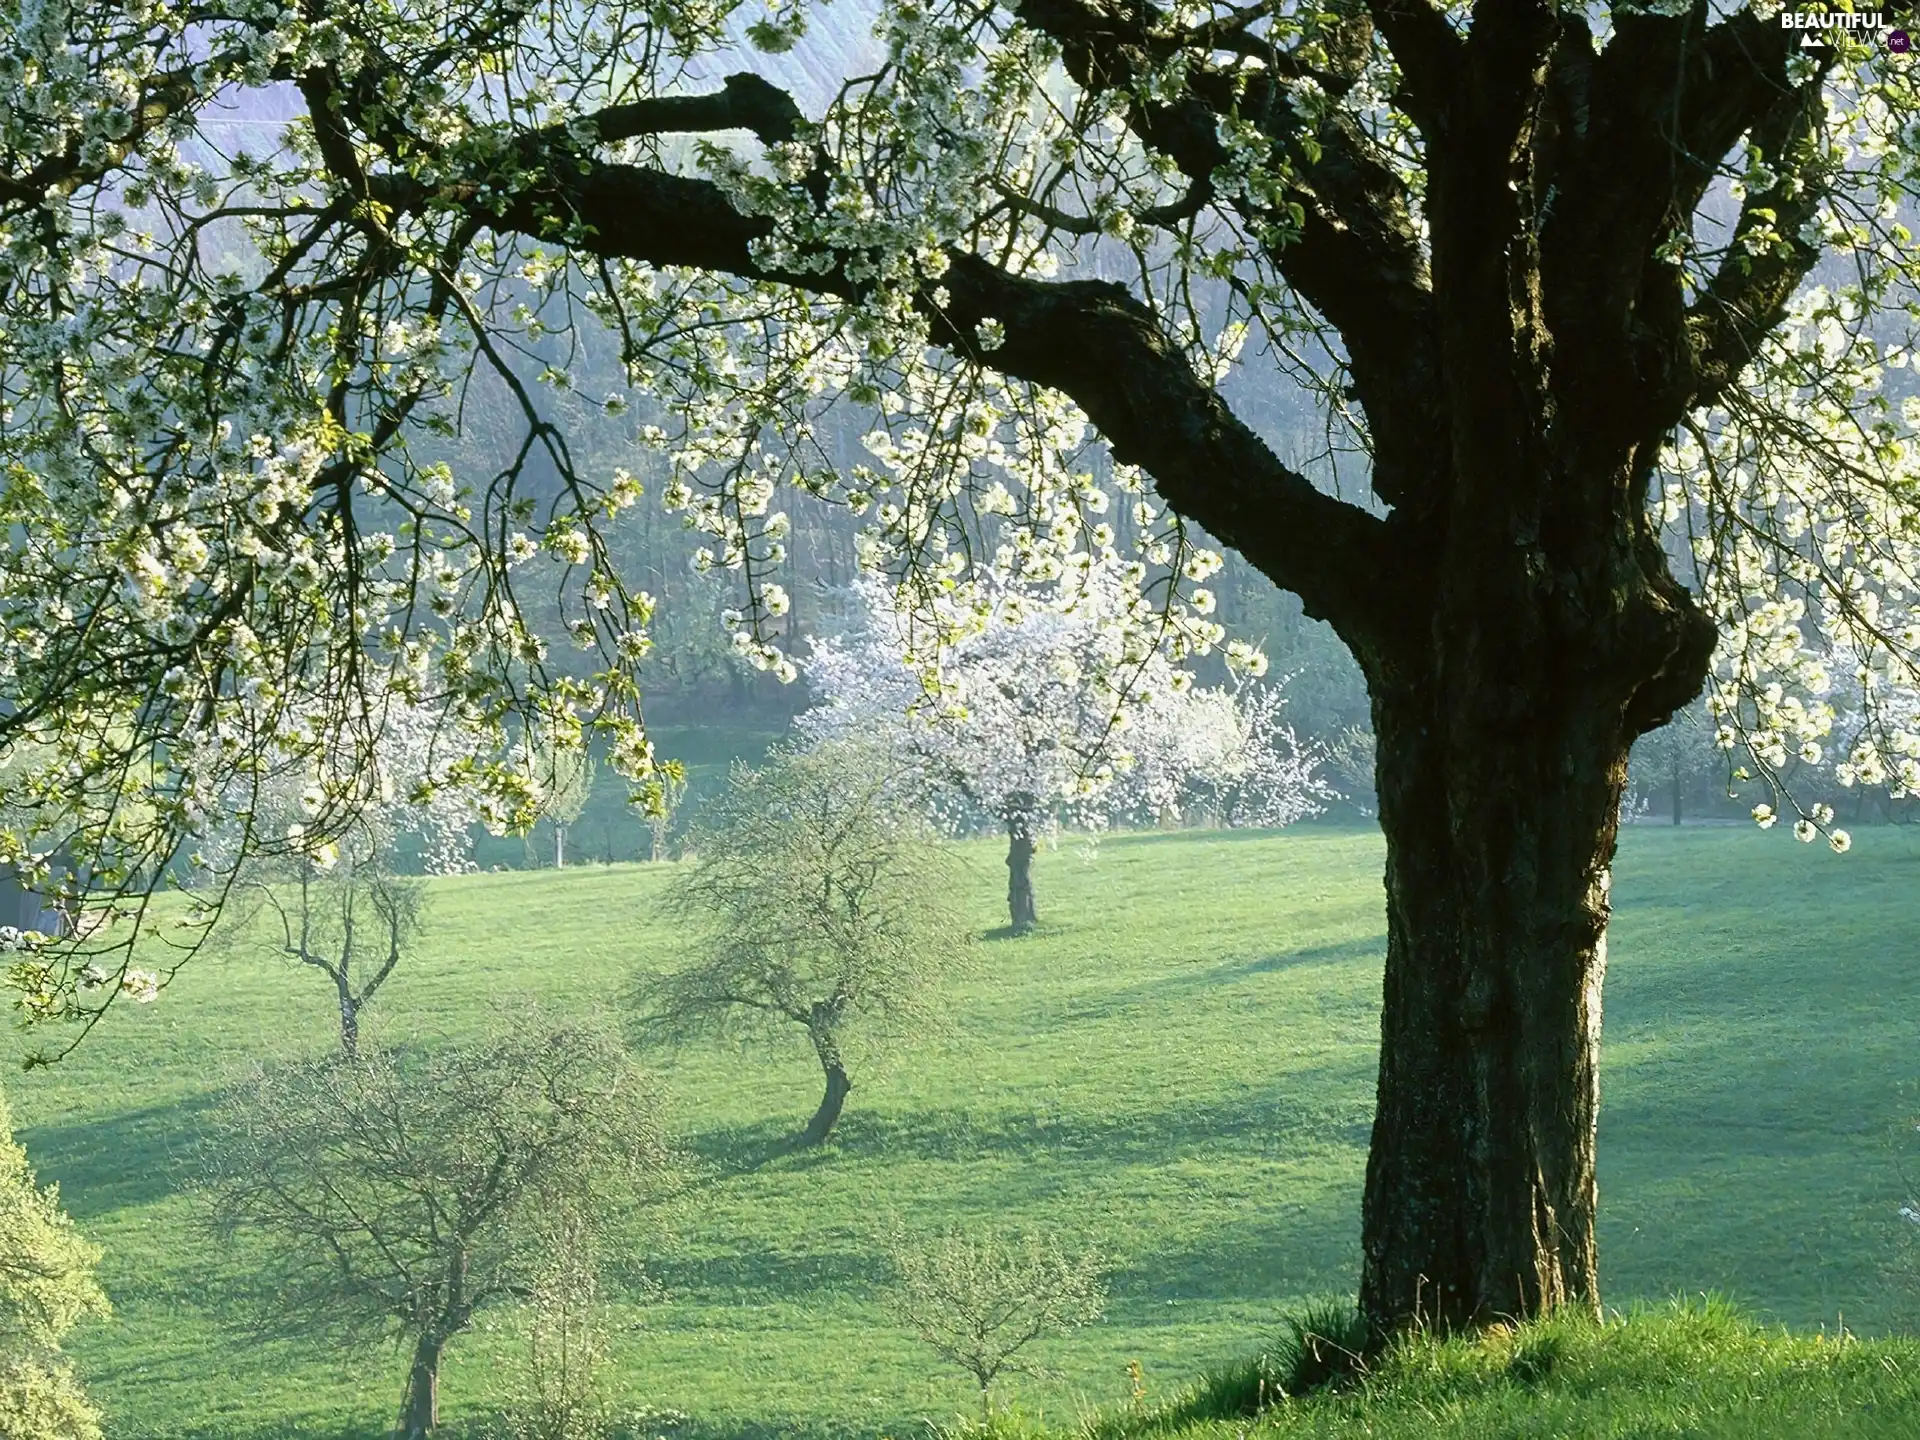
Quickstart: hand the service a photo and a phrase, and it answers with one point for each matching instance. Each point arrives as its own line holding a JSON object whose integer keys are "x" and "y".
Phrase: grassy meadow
{"x": 1177, "y": 1068}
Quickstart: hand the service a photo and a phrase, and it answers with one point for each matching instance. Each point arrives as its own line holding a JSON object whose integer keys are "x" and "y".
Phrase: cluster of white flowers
{"x": 1806, "y": 544}
{"x": 217, "y": 528}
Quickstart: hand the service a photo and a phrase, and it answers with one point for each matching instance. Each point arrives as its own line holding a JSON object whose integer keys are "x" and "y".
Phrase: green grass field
{"x": 1178, "y": 1069}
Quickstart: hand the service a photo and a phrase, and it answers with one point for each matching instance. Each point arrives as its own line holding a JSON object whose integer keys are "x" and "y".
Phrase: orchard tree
{"x": 1046, "y": 709}
{"x": 47, "y": 1287}
{"x": 352, "y": 922}
{"x": 343, "y": 906}
{"x": 815, "y": 901}
{"x": 398, "y": 1194}
{"x": 1552, "y": 275}
{"x": 565, "y": 776}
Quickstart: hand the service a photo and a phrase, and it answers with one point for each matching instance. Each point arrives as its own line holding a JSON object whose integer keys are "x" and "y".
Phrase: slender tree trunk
{"x": 420, "y": 1409}
{"x": 349, "y": 1023}
{"x": 1675, "y": 780}
{"x": 559, "y": 846}
{"x": 831, "y": 1103}
{"x": 1020, "y": 909}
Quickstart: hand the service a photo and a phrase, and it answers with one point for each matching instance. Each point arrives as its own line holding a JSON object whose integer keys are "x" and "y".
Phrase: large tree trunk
{"x": 1480, "y": 1188}
{"x": 1020, "y": 909}
{"x": 835, "y": 1098}
{"x": 420, "y": 1409}
{"x": 1529, "y": 629}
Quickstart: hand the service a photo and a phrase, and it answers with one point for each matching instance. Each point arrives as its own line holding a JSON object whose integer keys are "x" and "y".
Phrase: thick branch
{"x": 1749, "y": 294}
{"x": 745, "y": 102}
{"x": 1428, "y": 52}
{"x": 1091, "y": 340}
{"x": 1357, "y": 258}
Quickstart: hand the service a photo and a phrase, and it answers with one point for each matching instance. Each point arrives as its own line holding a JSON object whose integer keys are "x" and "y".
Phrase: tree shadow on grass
{"x": 1152, "y": 994}
{"x": 1369, "y": 947}
{"x": 744, "y": 1149}
{"x": 1038, "y": 931}
{"x": 1239, "y": 835}
{"x": 759, "y": 1274}
{"x": 116, "y": 1162}
{"x": 1271, "y": 1254}
{"x": 1317, "y": 1103}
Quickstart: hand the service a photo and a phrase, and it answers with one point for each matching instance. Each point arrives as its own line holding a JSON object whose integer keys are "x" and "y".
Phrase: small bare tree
{"x": 817, "y": 903}
{"x": 351, "y": 922}
{"x": 343, "y": 906}
{"x": 980, "y": 1299}
{"x": 397, "y": 1194}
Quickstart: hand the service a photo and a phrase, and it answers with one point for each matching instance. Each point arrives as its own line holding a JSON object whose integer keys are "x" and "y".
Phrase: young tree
{"x": 351, "y": 922}
{"x": 565, "y": 776}
{"x": 979, "y": 1300}
{"x": 341, "y": 906}
{"x": 1521, "y": 256}
{"x": 398, "y": 1194}
{"x": 814, "y": 901}
{"x": 562, "y": 1391}
{"x": 1044, "y": 710}
{"x": 1675, "y": 761}
{"x": 47, "y": 1287}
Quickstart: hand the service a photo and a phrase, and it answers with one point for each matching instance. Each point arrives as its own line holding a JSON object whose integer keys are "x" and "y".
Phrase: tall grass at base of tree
{"x": 1697, "y": 1367}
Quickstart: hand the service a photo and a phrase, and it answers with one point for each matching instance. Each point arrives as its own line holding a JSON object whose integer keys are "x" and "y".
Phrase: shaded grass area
{"x": 1178, "y": 1068}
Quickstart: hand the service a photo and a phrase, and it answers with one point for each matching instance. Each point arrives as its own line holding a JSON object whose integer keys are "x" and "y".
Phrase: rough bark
{"x": 1480, "y": 1194}
{"x": 835, "y": 1098}
{"x": 420, "y": 1409}
{"x": 1021, "y": 915}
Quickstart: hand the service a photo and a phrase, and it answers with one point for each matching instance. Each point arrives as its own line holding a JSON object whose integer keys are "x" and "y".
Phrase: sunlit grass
{"x": 1178, "y": 1067}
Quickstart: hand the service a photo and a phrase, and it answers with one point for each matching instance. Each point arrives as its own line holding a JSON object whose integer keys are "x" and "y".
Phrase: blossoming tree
{"x": 1525, "y": 257}
{"x": 1043, "y": 707}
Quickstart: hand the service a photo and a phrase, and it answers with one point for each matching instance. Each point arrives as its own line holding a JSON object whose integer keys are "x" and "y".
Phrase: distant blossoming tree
{"x": 1043, "y": 706}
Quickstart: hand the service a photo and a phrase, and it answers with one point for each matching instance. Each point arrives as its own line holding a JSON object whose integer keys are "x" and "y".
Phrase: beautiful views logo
{"x": 1872, "y": 22}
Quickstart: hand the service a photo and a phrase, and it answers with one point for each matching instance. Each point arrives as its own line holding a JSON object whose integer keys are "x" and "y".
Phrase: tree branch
{"x": 1428, "y": 51}
{"x": 745, "y": 102}
{"x": 1091, "y": 340}
{"x": 1357, "y": 258}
